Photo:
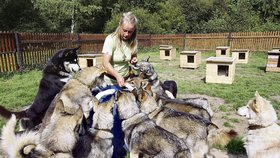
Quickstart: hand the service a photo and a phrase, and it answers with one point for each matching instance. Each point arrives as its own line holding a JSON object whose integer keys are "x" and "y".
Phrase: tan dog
{"x": 59, "y": 130}
{"x": 192, "y": 129}
{"x": 143, "y": 136}
{"x": 263, "y": 137}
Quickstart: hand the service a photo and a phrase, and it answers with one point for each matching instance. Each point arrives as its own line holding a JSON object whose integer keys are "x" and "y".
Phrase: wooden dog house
{"x": 223, "y": 51}
{"x": 276, "y": 48}
{"x": 87, "y": 60}
{"x": 190, "y": 59}
{"x": 273, "y": 61}
{"x": 220, "y": 70}
{"x": 241, "y": 55}
{"x": 167, "y": 52}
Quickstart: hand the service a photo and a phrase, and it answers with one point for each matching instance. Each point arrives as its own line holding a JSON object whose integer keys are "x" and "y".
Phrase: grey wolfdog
{"x": 143, "y": 136}
{"x": 192, "y": 129}
{"x": 198, "y": 106}
{"x": 147, "y": 72}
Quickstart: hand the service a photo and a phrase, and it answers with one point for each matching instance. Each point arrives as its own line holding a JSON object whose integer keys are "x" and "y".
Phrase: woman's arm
{"x": 110, "y": 70}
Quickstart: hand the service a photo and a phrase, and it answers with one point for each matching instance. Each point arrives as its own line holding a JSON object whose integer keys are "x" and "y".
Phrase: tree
{"x": 63, "y": 14}
{"x": 171, "y": 18}
{"x": 165, "y": 20}
{"x": 196, "y": 13}
{"x": 20, "y": 16}
{"x": 148, "y": 23}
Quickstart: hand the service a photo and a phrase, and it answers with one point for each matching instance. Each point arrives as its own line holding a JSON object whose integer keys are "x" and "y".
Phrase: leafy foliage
{"x": 63, "y": 15}
{"x": 157, "y": 16}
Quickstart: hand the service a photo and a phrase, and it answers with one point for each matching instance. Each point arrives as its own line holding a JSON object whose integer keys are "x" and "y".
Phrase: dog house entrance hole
{"x": 223, "y": 70}
{"x": 278, "y": 63}
{"x": 167, "y": 53}
{"x": 241, "y": 56}
{"x": 89, "y": 62}
{"x": 223, "y": 52}
{"x": 190, "y": 59}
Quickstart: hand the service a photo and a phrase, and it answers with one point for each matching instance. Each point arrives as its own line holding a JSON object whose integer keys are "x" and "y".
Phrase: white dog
{"x": 263, "y": 137}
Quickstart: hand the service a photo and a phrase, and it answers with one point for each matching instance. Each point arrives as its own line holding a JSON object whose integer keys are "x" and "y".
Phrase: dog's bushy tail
{"x": 8, "y": 114}
{"x": 221, "y": 138}
{"x": 8, "y": 133}
{"x": 17, "y": 145}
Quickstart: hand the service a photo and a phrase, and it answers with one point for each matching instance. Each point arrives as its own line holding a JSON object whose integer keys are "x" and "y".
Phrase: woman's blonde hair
{"x": 128, "y": 17}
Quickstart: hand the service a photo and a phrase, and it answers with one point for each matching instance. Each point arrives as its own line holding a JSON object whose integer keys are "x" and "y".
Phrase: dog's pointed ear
{"x": 143, "y": 95}
{"x": 257, "y": 94}
{"x": 95, "y": 102}
{"x": 144, "y": 84}
{"x": 141, "y": 76}
{"x": 258, "y": 101}
{"x": 111, "y": 102}
{"x": 118, "y": 95}
{"x": 149, "y": 87}
{"x": 62, "y": 53}
{"x": 75, "y": 49}
{"x": 147, "y": 59}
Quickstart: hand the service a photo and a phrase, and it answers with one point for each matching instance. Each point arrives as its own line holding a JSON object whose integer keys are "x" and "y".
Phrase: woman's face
{"x": 127, "y": 30}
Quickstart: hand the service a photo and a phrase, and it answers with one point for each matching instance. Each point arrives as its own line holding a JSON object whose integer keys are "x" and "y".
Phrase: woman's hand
{"x": 120, "y": 80}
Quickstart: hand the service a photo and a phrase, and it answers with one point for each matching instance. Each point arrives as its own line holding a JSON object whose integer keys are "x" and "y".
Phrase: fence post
{"x": 184, "y": 40}
{"x": 229, "y": 38}
{"x": 19, "y": 52}
{"x": 150, "y": 40}
{"x": 78, "y": 39}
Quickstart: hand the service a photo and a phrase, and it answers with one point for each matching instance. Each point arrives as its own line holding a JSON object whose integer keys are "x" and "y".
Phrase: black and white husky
{"x": 55, "y": 74}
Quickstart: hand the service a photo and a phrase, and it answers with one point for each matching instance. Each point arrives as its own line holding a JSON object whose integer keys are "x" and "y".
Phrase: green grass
{"x": 18, "y": 90}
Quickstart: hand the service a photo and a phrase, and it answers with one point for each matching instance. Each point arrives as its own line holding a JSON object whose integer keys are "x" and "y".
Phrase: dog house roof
{"x": 189, "y": 52}
{"x": 89, "y": 55}
{"x": 165, "y": 47}
{"x": 274, "y": 52}
{"x": 221, "y": 59}
{"x": 240, "y": 50}
{"x": 223, "y": 47}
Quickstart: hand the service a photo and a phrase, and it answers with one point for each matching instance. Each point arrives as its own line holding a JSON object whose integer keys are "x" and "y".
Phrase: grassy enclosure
{"x": 249, "y": 78}
{"x": 19, "y": 89}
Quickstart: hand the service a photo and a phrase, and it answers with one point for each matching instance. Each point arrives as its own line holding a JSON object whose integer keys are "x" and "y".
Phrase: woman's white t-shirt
{"x": 120, "y": 55}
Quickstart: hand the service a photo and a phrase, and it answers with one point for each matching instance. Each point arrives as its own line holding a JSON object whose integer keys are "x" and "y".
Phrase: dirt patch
{"x": 225, "y": 118}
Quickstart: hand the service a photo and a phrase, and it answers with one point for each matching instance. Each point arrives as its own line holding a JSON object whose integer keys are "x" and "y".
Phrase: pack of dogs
{"x": 67, "y": 121}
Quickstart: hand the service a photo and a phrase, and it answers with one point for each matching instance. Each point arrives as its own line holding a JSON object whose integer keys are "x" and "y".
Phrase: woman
{"x": 119, "y": 50}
